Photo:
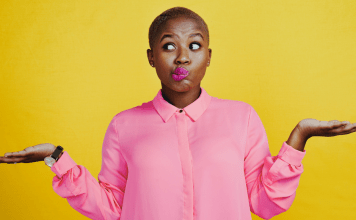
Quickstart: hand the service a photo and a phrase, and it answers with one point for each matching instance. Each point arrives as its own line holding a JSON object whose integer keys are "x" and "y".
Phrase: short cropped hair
{"x": 176, "y": 12}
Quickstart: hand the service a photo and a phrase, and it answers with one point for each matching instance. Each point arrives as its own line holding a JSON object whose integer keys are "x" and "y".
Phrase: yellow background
{"x": 67, "y": 67}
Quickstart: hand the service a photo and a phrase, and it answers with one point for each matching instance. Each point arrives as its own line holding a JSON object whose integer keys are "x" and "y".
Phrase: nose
{"x": 183, "y": 56}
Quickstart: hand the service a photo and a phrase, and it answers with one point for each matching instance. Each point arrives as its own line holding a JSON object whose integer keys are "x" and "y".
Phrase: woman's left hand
{"x": 312, "y": 127}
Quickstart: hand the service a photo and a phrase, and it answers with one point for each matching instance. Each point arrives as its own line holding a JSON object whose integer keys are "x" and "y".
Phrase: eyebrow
{"x": 171, "y": 36}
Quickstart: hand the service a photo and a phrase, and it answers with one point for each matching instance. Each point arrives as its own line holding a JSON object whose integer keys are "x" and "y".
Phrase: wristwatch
{"x": 50, "y": 160}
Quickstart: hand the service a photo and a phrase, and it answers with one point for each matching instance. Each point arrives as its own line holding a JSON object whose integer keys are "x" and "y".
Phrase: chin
{"x": 182, "y": 86}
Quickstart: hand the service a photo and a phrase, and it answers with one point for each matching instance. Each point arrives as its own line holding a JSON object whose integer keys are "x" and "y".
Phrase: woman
{"x": 185, "y": 154}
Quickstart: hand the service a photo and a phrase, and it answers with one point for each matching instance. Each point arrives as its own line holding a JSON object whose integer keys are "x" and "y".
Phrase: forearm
{"x": 297, "y": 139}
{"x": 273, "y": 191}
{"x": 83, "y": 192}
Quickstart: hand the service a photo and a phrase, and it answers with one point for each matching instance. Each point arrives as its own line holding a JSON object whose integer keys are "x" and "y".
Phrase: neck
{"x": 180, "y": 99}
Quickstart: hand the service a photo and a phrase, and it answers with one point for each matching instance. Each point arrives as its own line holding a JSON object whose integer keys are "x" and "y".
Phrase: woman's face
{"x": 181, "y": 44}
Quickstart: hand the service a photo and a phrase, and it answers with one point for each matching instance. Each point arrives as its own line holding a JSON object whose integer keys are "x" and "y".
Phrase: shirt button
{"x": 180, "y": 111}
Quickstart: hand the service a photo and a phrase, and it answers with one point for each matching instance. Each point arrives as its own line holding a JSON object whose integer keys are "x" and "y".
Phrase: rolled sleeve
{"x": 64, "y": 164}
{"x": 290, "y": 155}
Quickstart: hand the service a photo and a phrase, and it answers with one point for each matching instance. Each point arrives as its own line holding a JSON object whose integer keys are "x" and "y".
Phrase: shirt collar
{"x": 193, "y": 110}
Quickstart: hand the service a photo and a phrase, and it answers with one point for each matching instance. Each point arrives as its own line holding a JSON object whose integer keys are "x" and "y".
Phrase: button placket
{"x": 186, "y": 161}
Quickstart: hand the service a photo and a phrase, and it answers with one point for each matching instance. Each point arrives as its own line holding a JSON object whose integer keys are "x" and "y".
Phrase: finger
{"x": 346, "y": 129}
{"x": 353, "y": 125}
{"x": 11, "y": 160}
{"x": 15, "y": 154}
{"x": 353, "y": 130}
{"x": 8, "y": 154}
{"x": 350, "y": 127}
{"x": 335, "y": 123}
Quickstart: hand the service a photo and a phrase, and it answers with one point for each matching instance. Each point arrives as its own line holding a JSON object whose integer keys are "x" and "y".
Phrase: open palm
{"x": 312, "y": 127}
{"x": 29, "y": 155}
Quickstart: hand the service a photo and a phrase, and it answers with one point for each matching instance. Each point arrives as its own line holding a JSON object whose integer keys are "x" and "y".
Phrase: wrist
{"x": 297, "y": 139}
{"x": 301, "y": 132}
{"x": 54, "y": 157}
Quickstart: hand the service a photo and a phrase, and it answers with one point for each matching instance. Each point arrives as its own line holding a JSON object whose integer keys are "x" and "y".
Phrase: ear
{"x": 210, "y": 51}
{"x": 150, "y": 56}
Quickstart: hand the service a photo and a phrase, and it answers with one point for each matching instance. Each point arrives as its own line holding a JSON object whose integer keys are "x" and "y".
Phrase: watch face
{"x": 56, "y": 153}
{"x": 49, "y": 161}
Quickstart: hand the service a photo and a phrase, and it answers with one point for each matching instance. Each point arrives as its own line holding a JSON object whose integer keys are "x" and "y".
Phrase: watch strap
{"x": 57, "y": 152}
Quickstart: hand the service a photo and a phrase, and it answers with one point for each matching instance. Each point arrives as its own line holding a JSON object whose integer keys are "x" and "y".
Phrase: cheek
{"x": 164, "y": 62}
{"x": 163, "y": 72}
{"x": 203, "y": 62}
{"x": 202, "y": 58}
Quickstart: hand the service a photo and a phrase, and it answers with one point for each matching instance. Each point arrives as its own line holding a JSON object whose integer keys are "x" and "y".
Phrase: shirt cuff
{"x": 290, "y": 155}
{"x": 63, "y": 164}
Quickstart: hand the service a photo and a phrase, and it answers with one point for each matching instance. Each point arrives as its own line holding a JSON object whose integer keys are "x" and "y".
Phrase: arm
{"x": 271, "y": 181}
{"x": 96, "y": 200}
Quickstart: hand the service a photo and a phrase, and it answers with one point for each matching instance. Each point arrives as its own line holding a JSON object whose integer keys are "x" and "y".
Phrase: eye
{"x": 168, "y": 46}
{"x": 195, "y": 46}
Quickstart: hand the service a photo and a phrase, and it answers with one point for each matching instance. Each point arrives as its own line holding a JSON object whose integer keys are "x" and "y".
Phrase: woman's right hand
{"x": 29, "y": 155}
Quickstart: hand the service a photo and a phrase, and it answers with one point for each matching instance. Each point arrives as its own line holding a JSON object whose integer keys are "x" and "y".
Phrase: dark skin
{"x": 170, "y": 52}
{"x": 183, "y": 50}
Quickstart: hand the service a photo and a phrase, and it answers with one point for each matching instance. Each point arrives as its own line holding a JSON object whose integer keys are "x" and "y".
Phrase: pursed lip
{"x": 181, "y": 71}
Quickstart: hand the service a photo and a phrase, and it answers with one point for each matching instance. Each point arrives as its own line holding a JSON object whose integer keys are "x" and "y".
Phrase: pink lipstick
{"x": 180, "y": 73}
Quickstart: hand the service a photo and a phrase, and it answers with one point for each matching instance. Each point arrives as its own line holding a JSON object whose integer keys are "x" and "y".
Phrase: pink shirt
{"x": 207, "y": 161}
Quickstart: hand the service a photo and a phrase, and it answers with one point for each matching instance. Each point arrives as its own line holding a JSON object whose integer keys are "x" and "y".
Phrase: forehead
{"x": 182, "y": 25}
